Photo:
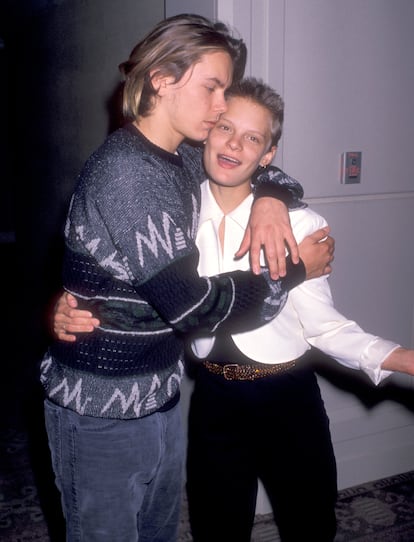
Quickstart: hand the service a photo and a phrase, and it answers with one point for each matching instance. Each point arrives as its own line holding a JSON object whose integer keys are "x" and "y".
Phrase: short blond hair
{"x": 262, "y": 94}
{"x": 170, "y": 49}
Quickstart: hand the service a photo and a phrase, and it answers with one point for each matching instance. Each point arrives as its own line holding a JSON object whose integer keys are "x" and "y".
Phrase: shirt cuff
{"x": 373, "y": 356}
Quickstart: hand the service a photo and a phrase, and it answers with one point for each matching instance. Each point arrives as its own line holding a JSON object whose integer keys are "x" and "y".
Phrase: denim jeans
{"x": 120, "y": 480}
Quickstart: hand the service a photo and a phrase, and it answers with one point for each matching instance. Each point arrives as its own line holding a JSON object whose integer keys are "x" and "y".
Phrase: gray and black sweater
{"x": 131, "y": 259}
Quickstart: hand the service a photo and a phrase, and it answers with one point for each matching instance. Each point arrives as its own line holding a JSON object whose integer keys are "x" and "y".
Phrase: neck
{"x": 229, "y": 197}
{"x": 150, "y": 127}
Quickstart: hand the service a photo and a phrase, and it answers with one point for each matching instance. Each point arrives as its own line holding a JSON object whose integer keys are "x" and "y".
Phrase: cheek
{"x": 254, "y": 158}
{"x": 208, "y": 159}
{"x": 214, "y": 143}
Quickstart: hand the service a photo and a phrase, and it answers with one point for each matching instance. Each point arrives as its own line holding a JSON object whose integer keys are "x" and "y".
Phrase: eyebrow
{"x": 250, "y": 130}
{"x": 217, "y": 81}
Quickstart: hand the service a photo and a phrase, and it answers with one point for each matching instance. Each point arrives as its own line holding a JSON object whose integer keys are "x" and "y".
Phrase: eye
{"x": 223, "y": 127}
{"x": 253, "y": 139}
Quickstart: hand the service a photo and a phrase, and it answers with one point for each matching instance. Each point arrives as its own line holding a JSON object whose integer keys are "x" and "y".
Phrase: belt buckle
{"x": 230, "y": 371}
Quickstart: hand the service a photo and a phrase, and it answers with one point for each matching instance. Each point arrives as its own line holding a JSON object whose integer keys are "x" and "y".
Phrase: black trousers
{"x": 274, "y": 429}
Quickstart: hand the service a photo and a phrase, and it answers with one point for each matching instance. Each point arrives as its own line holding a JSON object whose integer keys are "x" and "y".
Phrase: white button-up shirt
{"x": 309, "y": 316}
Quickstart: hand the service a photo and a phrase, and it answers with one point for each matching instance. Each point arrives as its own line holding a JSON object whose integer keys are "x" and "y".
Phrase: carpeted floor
{"x": 379, "y": 511}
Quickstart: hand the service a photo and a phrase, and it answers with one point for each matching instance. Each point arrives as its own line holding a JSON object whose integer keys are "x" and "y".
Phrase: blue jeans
{"x": 120, "y": 480}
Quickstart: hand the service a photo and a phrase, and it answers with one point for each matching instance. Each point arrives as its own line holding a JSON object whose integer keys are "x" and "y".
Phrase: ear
{"x": 160, "y": 81}
{"x": 268, "y": 156}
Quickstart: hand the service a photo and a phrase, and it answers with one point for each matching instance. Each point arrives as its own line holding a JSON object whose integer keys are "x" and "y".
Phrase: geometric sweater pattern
{"x": 131, "y": 259}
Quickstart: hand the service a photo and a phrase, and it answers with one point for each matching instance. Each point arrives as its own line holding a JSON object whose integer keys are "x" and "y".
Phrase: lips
{"x": 227, "y": 161}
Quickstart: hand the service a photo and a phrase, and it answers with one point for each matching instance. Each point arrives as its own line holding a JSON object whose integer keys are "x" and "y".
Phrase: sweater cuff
{"x": 272, "y": 190}
{"x": 295, "y": 274}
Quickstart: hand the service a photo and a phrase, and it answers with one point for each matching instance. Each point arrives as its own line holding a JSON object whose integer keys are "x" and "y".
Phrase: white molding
{"x": 250, "y": 18}
{"x": 225, "y": 11}
{"x": 361, "y": 197}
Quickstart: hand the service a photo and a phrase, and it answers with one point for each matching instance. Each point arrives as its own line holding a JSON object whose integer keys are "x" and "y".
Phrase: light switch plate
{"x": 351, "y": 167}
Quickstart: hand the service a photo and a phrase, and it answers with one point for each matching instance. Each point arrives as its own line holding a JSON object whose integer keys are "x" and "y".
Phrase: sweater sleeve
{"x": 234, "y": 301}
{"x": 273, "y": 182}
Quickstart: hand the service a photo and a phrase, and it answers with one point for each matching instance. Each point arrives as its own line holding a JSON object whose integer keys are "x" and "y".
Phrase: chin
{"x": 201, "y": 135}
{"x": 226, "y": 183}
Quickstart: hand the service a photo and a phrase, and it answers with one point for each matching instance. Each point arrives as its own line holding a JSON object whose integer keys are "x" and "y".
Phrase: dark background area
{"x": 31, "y": 219}
{"x": 32, "y": 210}
{"x": 52, "y": 117}
{"x": 59, "y": 99}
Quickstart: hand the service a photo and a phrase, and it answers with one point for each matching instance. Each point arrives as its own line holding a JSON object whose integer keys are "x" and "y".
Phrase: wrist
{"x": 295, "y": 274}
{"x": 270, "y": 190}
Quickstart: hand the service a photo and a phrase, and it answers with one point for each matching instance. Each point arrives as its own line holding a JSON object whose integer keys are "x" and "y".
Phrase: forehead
{"x": 248, "y": 113}
{"x": 214, "y": 66}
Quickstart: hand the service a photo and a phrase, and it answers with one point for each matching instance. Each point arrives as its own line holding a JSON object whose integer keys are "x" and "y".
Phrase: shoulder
{"x": 305, "y": 221}
{"x": 119, "y": 147}
{"x": 192, "y": 157}
{"x": 191, "y": 151}
{"x": 120, "y": 161}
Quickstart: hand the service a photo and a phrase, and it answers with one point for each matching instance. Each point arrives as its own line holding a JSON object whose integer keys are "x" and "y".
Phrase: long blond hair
{"x": 170, "y": 49}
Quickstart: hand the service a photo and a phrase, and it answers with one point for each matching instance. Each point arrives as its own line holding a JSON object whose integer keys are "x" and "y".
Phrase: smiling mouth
{"x": 228, "y": 160}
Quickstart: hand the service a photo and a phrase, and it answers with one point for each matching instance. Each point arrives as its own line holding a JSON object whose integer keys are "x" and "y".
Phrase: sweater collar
{"x": 175, "y": 159}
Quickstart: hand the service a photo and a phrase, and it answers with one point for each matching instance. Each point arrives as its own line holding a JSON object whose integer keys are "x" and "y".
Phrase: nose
{"x": 220, "y": 105}
{"x": 234, "y": 142}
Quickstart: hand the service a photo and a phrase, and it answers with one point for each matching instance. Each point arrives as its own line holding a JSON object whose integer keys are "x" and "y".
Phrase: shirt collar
{"x": 211, "y": 211}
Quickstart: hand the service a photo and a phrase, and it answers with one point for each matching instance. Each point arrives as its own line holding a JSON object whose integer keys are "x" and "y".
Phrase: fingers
{"x": 275, "y": 253}
{"x": 273, "y": 243}
{"x": 330, "y": 243}
{"x": 292, "y": 246}
{"x": 63, "y": 336}
{"x": 59, "y": 328}
{"x": 71, "y": 300}
{"x": 254, "y": 254}
{"x": 78, "y": 324}
{"x": 329, "y": 246}
{"x": 244, "y": 246}
{"x": 320, "y": 235}
{"x": 64, "y": 331}
{"x": 62, "y": 306}
{"x": 73, "y": 321}
{"x": 317, "y": 253}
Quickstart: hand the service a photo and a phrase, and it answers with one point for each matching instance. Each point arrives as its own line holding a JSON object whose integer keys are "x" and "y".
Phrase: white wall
{"x": 348, "y": 82}
{"x": 346, "y": 72}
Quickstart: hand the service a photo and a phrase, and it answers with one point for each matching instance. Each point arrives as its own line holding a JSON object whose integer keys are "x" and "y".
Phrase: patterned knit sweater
{"x": 131, "y": 259}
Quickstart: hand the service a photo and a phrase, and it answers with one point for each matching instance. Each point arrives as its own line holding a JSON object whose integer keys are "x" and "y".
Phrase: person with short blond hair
{"x": 256, "y": 411}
